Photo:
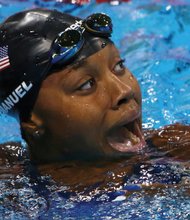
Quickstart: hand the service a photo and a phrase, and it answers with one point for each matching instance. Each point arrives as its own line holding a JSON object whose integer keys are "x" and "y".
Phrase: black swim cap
{"x": 26, "y": 40}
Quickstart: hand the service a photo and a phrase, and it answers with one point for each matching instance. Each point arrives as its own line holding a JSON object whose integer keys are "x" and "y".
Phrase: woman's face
{"x": 90, "y": 110}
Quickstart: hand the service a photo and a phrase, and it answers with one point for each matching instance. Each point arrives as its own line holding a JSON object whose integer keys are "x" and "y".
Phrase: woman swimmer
{"x": 75, "y": 98}
{"x": 70, "y": 107}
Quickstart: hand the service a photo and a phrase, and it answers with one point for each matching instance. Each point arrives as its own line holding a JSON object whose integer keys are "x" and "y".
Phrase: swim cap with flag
{"x": 35, "y": 41}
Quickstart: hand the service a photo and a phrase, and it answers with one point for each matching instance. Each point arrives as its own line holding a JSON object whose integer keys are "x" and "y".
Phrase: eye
{"x": 87, "y": 85}
{"x": 119, "y": 68}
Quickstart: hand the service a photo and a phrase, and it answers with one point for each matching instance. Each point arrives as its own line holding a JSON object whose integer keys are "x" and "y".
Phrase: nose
{"x": 121, "y": 93}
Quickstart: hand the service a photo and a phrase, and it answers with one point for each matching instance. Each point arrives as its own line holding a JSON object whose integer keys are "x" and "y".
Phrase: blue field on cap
{"x": 153, "y": 38}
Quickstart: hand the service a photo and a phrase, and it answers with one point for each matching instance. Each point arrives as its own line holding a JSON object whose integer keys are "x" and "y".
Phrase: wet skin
{"x": 83, "y": 110}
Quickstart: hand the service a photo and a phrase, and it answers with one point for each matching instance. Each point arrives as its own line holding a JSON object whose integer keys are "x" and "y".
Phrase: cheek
{"x": 73, "y": 115}
{"x": 66, "y": 115}
{"x": 88, "y": 111}
{"x": 87, "y": 115}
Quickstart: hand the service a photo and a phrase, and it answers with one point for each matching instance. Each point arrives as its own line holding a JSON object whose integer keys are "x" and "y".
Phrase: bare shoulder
{"x": 173, "y": 139}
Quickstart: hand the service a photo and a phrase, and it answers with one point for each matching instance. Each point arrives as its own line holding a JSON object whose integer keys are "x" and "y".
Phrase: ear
{"x": 32, "y": 129}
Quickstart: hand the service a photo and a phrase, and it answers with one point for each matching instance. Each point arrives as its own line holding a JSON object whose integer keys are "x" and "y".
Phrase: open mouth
{"x": 127, "y": 138}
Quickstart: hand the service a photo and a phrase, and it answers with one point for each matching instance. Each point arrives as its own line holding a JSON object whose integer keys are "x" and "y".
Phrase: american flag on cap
{"x": 4, "y": 58}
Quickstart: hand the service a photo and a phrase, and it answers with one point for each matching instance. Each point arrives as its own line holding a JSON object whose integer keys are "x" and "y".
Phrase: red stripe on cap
{"x": 4, "y": 63}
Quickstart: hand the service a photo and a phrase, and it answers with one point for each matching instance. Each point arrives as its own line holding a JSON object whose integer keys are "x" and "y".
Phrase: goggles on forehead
{"x": 70, "y": 41}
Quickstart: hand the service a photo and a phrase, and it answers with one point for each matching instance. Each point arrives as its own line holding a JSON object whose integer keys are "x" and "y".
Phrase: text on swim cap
{"x": 74, "y": 26}
{"x": 15, "y": 97}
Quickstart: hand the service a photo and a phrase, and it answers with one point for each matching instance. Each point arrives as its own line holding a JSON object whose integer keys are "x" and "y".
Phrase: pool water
{"x": 153, "y": 37}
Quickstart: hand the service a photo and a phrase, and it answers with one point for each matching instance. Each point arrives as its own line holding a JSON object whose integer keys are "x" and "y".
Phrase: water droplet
{"x": 103, "y": 44}
{"x": 131, "y": 78}
{"x": 21, "y": 35}
{"x": 3, "y": 35}
{"x": 33, "y": 33}
{"x": 51, "y": 19}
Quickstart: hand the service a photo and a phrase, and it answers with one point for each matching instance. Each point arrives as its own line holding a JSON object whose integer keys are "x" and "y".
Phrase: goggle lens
{"x": 67, "y": 45}
{"x": 69, "y": 38}
{"x": 99, "y": 23}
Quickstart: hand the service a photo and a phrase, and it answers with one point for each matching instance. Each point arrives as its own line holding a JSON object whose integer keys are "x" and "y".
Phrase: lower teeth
{"x": 128, "y": 144}
{"x": 133, "y": 137}
{"x": 124, "y": 138}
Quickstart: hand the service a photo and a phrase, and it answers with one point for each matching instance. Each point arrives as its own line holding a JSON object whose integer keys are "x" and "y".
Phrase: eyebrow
{"x": 79, "y": 63}
{"x": 75, "y": 65}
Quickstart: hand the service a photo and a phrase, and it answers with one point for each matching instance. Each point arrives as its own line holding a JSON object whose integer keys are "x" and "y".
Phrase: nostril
{"x": 122, "y": 101}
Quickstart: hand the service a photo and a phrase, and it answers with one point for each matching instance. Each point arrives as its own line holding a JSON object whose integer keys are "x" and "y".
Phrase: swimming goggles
{"x": 70, "y": 41}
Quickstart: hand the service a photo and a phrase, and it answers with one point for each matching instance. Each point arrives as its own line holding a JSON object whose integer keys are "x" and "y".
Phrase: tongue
{"x": 123, "y": 140}
{"x": 123, "y": 135}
